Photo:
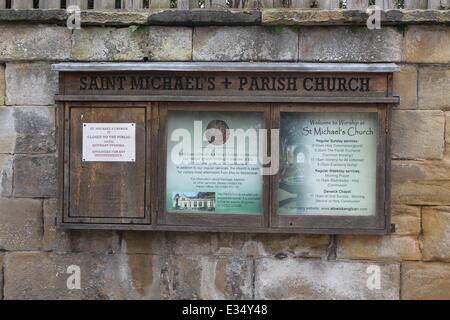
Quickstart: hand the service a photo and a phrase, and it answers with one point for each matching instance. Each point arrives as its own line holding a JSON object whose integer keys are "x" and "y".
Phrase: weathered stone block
{"x": 207, "y": 277}
{"x": 405, "y": 86}
{"x": 421, "y": 193}
{"x": 409, "y": 170}
{"x": 34, "y": 42}
{"x": 386, "y": 248}
{"x": 53, "y": 238}
{"x": 189, "y": 243}
{"x": 406, "y": 220}
{"x": 35, "y": 176}
{"x": 6, "y": 174}
{"x": 37, "y": 275}
{"x": 427, "y": 44}
{"x": 425, "y": 281}
{"x": 107, "y": 44}
{"x": 27, "y": 129}
{"x": 143, "y": 242}
{"x": 318, "y": 279}
{"x": 436, "y": 233}
{"x": 434, "y": 87}
{"x": 7, "y": 130}
{"x": 205, "y": 17}
{"x": 342, "y": 44}
{"x": 289, "y": 245}
{"x": 169, "y": 43}
{"x": 30, "y": 84}
{"x": 43, "y": 276}
{"x": 83, "y": 241}
{"x": 2, "y": 84}
{"x": 418, "y": 134}
{"x": 20, "y": 224}
{"x": 421, "y": 182}
{"x": 35, "y": 128}
{"x": 244, "y": 44}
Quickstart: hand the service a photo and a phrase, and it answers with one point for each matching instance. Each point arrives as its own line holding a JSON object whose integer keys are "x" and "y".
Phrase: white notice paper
{"x": 110, "y": 142}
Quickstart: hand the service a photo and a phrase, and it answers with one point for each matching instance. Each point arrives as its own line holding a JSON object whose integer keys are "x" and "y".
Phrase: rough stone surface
{"x": 406, "y": 220}
{"x": 7, "y": 130}
{"x": 421, "y": 193}
{"x": 169, "y": 43}
{"x": 224, "y": 244}
{"x": 428, "y": 44}
{"x": 409, "y": 170}
{"x": 209, "y": 277}
{"x": 436, "y": 233}
{"x": 27, "y": 129}
{"x": 2, "y": 84}
{"x": 113, "y": 18}
{"x": 41, "y": 16}
{"x": 143, "y": 242}
{"x": 317, "y": 279}
{"x": 30, "y": 84}
{"x": 405, "y": 86}
{"x": 434, "y": 87}
{"x": 54, "y": 239}
{"x": 277, "y": 16}
{"x": 65, "y": 241}
{"x": 37, "y": 275}
{"x": 108, "y": 44}
{"x": 305, "y": 17}
{"x": 20, "y": 224}
{"x": 421, "y": 182}
{"x": 418, "y": 134}
{"x": 35, "y": 129}
{"x": 425, "y": 281}
{"x": 6, "y": 175}
{"x": 307, "y": 246}
{"x": 387, "y": 248}
{"x": 34, "y": 42}
{"x": 342, "y": 44}
{"x": 35, "y": 176}
{"x": 204, "y": 17}
{"x": 244, "y": 44}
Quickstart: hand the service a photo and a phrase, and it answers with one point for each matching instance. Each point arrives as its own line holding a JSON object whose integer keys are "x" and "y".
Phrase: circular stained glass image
{"x": 217, "y": 132}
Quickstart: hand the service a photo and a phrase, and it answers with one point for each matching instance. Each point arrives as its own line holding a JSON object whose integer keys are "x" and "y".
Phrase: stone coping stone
{"x": 236, "y": 17}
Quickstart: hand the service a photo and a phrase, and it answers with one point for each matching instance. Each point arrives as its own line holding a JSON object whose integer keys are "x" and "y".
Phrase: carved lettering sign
{"x": 224, "y": 83}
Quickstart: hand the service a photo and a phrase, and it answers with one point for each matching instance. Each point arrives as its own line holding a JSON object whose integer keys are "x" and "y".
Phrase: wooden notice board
{"x": 239, "y": 147}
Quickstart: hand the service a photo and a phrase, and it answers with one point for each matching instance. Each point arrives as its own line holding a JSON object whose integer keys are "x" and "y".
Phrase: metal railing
{"x": 223, "y": 4}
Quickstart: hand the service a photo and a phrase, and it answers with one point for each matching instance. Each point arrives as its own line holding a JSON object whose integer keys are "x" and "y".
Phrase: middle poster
{"x": 212, "y": 162}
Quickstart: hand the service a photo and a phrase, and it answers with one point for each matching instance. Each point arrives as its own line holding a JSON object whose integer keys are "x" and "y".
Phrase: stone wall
{"x": 34, "y": 255}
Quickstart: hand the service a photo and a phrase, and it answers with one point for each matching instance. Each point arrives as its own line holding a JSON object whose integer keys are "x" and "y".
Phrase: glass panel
{"x": 212, "y": 162}
{"x": 328, "y": 163}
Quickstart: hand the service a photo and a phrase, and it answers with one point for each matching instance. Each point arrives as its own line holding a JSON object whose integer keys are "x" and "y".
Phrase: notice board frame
{"x": 68, "y": 98}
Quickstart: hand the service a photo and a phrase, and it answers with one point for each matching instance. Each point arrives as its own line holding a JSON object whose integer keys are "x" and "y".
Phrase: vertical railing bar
{"x": 159, "y": 4}
{"x": 357, "y": 4}
{"x": 21, "y": 4}
{"x": 104, "y": 4}
{"x": 132, "y": 4}
{"x": 49, "y": 4}
{"x": 416, "y": 4}
{"x": 82, "y": 4}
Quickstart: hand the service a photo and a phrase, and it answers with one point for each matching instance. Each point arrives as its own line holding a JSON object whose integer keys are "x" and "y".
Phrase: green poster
{"x": 212, "y": 162}
{"x": 328, "y": 164}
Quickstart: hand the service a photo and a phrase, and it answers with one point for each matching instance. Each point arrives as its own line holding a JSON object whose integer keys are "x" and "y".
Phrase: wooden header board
{"x": 326, "y": 126}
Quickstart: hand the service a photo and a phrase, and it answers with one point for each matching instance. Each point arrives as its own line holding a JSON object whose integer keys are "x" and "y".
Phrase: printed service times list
{"x": 332, "y": 168}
